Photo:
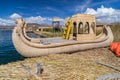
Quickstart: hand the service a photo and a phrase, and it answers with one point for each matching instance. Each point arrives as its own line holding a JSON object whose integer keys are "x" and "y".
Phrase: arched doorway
{"x": 86, "y": 28}
{"x": 75, "y": 31}
{"x": 80, "y": 28}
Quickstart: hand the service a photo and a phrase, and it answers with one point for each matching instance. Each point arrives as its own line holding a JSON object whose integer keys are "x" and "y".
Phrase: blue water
{"x": 7, "y": 51}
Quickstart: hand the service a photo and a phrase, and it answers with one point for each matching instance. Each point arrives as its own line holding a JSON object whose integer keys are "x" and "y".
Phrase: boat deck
{"x": 46, "y": 41}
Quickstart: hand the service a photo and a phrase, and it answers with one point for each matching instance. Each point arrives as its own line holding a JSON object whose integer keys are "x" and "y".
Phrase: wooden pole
{"x": 109, "y": 66}
{"x": 37, "y": 75}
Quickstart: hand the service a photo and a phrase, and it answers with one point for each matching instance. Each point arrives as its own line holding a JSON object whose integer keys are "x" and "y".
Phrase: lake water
{"x": 7, "y": 51}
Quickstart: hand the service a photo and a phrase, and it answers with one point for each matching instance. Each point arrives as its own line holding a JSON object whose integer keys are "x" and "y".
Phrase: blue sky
{"x": 42, "y": 11}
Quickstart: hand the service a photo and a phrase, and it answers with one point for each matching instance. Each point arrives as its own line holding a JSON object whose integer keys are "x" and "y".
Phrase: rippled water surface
{"x": 7, "y": 50}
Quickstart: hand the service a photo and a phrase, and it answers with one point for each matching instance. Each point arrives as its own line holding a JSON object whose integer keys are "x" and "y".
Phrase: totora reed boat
{"x": 79, "y": 34}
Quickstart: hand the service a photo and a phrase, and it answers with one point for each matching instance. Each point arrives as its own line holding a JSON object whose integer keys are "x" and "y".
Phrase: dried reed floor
{"x": 77, "y": 66}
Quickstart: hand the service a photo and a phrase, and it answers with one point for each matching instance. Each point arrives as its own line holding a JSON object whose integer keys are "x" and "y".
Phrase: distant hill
{"x": 28, "y": 25}
{"x": 38, "y": 25}
{"x": 48, "y": 25}
{"x": 115, "y": 23}
{"x": 101, "y": 23}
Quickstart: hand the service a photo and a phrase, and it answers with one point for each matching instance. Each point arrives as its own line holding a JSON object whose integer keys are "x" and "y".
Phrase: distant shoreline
{"x": 6, "y": 29}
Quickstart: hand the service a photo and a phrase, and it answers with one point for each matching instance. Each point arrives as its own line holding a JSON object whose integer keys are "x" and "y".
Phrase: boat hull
{"x": 27, "y": 50}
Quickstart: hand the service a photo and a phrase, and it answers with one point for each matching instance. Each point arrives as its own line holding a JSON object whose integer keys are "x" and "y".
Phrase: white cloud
{"x": 62, "y": 20}
{"x": 40, "y": 20}
{"x": 36, "y": 19}
{"x": 6, "y": 22}
{"x": 104, "y": 14}
{"x": 51, "y": 8}
{"x": 32, "y": 19}
{"x": 15, "y": 16}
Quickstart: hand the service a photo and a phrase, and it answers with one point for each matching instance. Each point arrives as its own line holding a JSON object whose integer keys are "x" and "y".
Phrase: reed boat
{"x": 79, "y": 34}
